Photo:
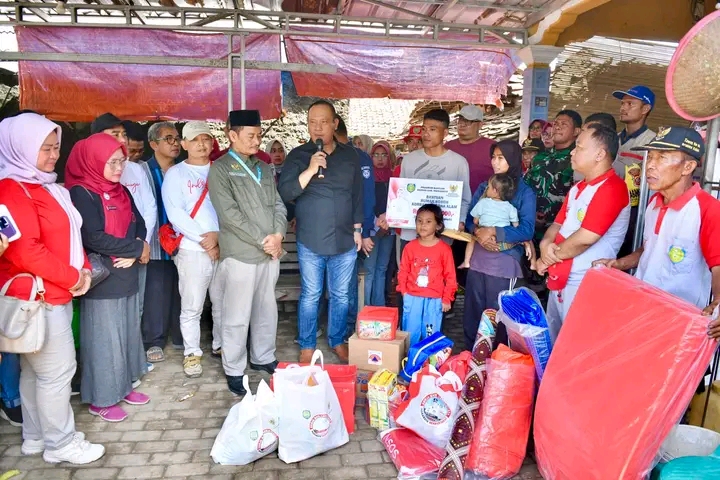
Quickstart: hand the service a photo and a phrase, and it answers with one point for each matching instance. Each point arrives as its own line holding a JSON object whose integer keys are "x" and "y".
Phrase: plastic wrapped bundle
{"x": 503, "y": 427}
{"x": 453, "y": 465}
{"x": 413, "y": 457}
{"x": 623, "y": 370}
{"x": 527, "y": 327}
{"x": 690, "y": 468}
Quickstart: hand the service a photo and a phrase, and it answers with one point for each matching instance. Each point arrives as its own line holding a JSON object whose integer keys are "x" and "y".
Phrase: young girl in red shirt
{"x": 427, "y": 276}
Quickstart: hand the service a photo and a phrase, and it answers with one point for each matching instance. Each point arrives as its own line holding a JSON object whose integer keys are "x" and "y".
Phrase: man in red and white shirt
{"x": 681, "y": 238}
{"x": 590, "y": 225}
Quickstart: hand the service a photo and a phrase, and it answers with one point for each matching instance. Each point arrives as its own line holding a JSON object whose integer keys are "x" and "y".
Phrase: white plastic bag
{"x": 432, "y": 405}
{"x": 311, "y": 420}
{"x": 250, "y": 430}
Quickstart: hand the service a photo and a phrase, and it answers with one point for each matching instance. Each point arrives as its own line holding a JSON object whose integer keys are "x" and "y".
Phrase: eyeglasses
{"x": 172, "y": 140}
{"x": 378, "y": 154}
{"x": 117, "y": 164}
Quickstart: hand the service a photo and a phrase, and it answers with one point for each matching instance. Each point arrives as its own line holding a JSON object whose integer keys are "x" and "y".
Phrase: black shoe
{"x": 74, "y": 388}
{"x": 11, "y": 414}
{"x": 268, "y": 367}
{"x": 235, "y": 384}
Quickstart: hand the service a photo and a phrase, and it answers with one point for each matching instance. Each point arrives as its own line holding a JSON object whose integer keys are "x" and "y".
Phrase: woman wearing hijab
{"x": 277, "y": 153}
{"x": 491, "y": 270}
{"x": 535, "y": 129}
{"x": 112, "y": 348}
{"x": 363, "y": 142}
{"x": 382, "y": 236}
{"x": 50, "y": 247}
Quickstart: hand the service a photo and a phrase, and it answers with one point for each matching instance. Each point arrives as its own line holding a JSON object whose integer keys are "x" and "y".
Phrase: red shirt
{"x": 478, "y": 156}
{"x": 44, "y": 246}
{"x": 436, "y": 263}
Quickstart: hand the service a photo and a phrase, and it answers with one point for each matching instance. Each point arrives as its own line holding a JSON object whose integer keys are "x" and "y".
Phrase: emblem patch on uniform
{"x": 580, "y": 215}
{"x": 366, "y": 172}
{"x": 676, "y": 254}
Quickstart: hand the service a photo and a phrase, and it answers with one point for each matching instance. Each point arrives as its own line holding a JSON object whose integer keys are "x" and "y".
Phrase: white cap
{"x": 191, "y": 130}
{"x": 472, "y": 113}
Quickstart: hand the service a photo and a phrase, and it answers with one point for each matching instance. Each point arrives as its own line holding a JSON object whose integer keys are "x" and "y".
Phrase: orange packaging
{"x": 377, "y": 323}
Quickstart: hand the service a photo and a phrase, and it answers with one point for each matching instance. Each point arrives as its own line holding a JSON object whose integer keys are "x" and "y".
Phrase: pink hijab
{"x": 86, "y": 167}
{"x": 21, "y": 138}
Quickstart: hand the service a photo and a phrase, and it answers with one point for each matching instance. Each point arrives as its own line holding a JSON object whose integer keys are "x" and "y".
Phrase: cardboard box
{"x": 380, "y": 388}
{"x": 361, "y": 387}
{"x": 374, "y": 355}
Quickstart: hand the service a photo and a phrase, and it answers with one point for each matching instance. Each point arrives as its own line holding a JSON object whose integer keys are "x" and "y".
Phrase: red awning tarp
{"x": 377, "y": 69}
{"x": 81, "y": 91}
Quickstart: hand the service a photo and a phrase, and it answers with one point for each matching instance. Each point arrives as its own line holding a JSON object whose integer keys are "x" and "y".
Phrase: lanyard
{"x": 257, "y": 177}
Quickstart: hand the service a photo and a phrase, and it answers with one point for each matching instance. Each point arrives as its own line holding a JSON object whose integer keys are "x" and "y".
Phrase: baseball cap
{"x": 472, "y": 113}
{"x": 533, "y": 144}
{"x": 415, "y": 132}
{"x": 682, "y": 139}
{"x": 104, "y": 122}
{"x": 641, "y": 92}
{"x": 194, "y": 128}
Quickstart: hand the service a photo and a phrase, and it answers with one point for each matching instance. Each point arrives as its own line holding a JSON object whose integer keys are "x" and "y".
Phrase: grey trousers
{"x": 248, "y": 304}
{"x": 45, "y": 383}
{"x": 142, "y": 278}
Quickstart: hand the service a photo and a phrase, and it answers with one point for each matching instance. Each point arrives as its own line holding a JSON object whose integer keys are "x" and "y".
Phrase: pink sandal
{"x": 136, "y": 398}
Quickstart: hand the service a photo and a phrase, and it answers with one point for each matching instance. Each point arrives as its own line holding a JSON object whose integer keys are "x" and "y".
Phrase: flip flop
{"x": 155, "y": 355}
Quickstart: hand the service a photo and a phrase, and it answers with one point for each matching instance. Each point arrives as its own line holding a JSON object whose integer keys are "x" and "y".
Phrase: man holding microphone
{"x": 324, "y": 179}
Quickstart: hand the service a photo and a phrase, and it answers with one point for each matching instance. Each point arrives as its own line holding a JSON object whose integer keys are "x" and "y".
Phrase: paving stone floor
{"x": 171, "y": 437}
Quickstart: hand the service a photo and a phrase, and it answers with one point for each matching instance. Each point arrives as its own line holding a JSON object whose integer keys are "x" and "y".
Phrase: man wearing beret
{"x": 252, "y": 220}
{"x": 680, "y": 252}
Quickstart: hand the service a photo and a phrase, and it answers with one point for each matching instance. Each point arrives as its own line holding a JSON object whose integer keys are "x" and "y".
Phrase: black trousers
{"x": 161, "y": 315}
{"x": 481, "y": 293}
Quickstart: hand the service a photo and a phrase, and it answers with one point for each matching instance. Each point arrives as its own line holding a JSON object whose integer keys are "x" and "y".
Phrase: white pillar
{"x": 536, "y": 84}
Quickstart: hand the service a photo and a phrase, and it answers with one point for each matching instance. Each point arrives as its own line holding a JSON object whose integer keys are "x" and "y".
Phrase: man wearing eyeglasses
{"x": 471, "y": 145}
{"x": 161, "y": 314}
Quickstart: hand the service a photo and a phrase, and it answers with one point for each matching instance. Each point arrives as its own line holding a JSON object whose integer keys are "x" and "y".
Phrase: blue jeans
{"x": 10, "y": 380}
{"x": 313, "y": 270}
{"x": 421, "y": 317}
{"x": 377, "y": 265}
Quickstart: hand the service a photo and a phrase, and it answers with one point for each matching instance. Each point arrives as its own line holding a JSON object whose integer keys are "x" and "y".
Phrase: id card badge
{"x": 8, "y": 227}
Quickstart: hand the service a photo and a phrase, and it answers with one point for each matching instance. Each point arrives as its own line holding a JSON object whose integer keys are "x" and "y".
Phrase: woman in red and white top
{"x": 50, "y": 247}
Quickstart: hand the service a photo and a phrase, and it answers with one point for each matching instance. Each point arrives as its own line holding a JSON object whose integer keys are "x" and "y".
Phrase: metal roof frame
{"x": 425, "y": 30}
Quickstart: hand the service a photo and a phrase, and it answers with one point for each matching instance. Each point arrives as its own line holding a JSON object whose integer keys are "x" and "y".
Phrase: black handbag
{"x": 98, "y": 270}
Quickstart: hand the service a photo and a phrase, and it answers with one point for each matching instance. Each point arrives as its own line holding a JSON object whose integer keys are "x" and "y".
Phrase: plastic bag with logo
{"x": 432, "y": 405}
{"x": 250, "y": 430}
{"x": 413, "y": 457}
{"x": 311, "y": 420}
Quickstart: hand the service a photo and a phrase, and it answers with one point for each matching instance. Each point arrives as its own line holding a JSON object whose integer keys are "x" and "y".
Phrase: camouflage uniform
{"x": 551, "y": 177}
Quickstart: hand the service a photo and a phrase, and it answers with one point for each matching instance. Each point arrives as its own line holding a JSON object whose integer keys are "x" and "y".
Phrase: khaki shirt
{"x": 247, "y": 212}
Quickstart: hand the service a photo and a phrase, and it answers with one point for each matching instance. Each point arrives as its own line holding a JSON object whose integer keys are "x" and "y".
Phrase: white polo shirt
{"x": 601, "y": 206}
{"x": 681, "y": 245}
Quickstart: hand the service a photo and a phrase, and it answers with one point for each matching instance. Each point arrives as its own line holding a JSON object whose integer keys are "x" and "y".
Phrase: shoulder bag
{"x": 23, "y": 325}
{"x": 169, "y": 239}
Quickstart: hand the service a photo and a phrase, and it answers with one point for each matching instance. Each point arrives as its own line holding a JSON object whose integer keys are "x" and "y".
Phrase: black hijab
{"x": 512, "y": 151}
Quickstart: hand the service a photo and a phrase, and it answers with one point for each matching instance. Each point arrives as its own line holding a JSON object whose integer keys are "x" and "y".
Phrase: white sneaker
{"x": 136, "y": 384}
{"x": 34, "y": 447}
{"x": 78, "y": 452}
{"x": 192, "y": 366}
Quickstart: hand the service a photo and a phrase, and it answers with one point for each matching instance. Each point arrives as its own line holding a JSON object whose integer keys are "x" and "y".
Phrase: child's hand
{"x": 476, "y": 220}
{"x": 445, "y": 307}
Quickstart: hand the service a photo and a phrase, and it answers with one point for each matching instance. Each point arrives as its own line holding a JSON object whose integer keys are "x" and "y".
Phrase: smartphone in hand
{"x": 8, "y": 227}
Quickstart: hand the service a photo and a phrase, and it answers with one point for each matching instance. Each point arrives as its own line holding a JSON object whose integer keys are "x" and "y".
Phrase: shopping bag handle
{"x": 246, "y": 383}
{"x": 318, "y": 355}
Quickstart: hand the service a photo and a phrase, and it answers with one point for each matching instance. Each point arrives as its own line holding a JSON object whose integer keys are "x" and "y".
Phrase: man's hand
{"x": 461, "y": 227}
{"x": 123, "y": 262}
{"x": 358, "y": 240}
{"x": 316, "y": 161}
{"x": 272, "y": 245}
{"x": 445, "y": 307}
{"x": 367, "y": 246}
{"x": 145, "y": 256}
{"x": 4, "y": 244}
{"x": 214, "y": 253}
{"x": 541, "y": 267}
{"x": 209, "y": 240}
{"x": 548, "y": 254}
{"x": 291, "y": 225}
{"x": 382, "y": 222}
{"x": 606, "y": 262}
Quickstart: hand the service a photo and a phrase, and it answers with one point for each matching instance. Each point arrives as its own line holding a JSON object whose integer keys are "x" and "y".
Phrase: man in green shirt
{"x": 551, "y": 174}
{"x": 252, "y": 219}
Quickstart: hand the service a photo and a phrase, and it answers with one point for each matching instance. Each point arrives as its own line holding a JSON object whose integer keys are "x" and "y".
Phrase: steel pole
{"x": 642, "y": 206}
{"x": 711, "y": 147}
{"x": 230, "y": 73}
{"x": 242, "y": 71}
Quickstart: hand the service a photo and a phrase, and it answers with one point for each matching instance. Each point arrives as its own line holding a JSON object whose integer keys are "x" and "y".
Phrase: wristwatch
{"x": 358, "y": 230}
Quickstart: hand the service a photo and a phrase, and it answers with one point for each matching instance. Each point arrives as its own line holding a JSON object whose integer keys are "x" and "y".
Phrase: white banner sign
{"x": 407, "y": 195}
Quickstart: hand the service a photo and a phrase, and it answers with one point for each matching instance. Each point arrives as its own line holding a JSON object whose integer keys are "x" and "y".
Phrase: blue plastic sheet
{"x": 524, "y": 317}
{"x": 690, "y": 468}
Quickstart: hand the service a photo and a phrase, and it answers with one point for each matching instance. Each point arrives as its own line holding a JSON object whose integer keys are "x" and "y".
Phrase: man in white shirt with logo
{"x": 681, "y": 248}
{"x": 591, "y": 223}
{"x": 184, "y": 187}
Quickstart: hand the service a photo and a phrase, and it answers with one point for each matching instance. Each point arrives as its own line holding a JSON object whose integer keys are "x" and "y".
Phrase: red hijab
{"x": 86, "y": 166}
{"x": 383, "y": 174}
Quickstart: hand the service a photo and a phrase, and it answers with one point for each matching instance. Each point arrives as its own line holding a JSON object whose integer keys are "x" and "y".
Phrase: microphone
{"x": 319, "y": 144}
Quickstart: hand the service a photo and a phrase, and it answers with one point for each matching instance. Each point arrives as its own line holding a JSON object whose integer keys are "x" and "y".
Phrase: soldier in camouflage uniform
{"x": 551, "y": 175}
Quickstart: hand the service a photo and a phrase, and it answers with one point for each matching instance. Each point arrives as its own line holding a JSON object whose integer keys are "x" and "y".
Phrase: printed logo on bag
{"x": 374, "y": 357}
{"x": 254, "y": 435}
{"x": 267, "y": 442}
{"x": 306, "y": 414}
{"x": 434, "y": 410}
{"x": 320, "y": 425}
